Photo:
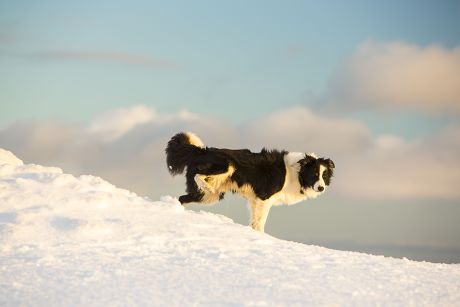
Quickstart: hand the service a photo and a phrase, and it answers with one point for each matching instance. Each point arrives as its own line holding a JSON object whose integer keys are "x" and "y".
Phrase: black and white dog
{"x": 267, "y": 178}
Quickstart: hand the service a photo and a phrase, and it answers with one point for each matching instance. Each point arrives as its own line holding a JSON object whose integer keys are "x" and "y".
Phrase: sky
{"x": 100, "y": 86}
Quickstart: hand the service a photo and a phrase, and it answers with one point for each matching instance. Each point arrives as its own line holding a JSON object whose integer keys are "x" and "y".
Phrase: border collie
{"x": 266, "y": 178}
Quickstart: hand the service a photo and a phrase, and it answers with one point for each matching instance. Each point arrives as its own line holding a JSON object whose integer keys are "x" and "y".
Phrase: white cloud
{"x": 300, "y": 129}
{"x": 398, "y": 76}
{"x": 399, "y": 169}
{"x": 114, "y": 124}
{"x": 106, "y": 56}
{"x": 387, "y": 142}
{"x": 370, "y": 167}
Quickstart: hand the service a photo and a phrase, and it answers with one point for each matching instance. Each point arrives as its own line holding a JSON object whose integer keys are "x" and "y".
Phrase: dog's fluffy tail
{"x": 180, "y": 150}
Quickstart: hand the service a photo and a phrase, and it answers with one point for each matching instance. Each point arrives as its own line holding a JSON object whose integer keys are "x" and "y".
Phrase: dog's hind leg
{"x": 212, "y": 188}
{"x": 199, "y": 190}
{"x": 214, "y": 182}
{"x": 202, "y": 181}
{"x": 205, "y": 183}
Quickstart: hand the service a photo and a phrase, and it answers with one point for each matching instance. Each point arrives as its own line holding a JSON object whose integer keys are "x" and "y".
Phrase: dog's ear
{"x": 330, "y": 163}
{"x": 308, "y": 158}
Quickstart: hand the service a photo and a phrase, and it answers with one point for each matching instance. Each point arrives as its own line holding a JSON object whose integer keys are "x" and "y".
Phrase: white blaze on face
{"x": 320, "y": 185}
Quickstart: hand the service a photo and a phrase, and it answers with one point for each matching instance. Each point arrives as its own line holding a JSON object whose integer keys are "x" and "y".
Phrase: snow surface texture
{"x": 68, "y": 241}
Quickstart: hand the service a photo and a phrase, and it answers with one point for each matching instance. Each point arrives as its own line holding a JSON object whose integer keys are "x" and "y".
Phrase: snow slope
{"x": 68, "y": 240}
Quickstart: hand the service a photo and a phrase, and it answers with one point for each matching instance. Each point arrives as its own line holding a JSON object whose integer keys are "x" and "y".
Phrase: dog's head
{"x": 315, "y": 173}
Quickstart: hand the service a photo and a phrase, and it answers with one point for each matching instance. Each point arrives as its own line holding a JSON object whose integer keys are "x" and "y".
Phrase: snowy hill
{"x": 68, "y": 240}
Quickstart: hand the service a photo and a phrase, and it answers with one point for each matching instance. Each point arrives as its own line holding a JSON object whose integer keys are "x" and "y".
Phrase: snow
{"x": 80, "y": 241}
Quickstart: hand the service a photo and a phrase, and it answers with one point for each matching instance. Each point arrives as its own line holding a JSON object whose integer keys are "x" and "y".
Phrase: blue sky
{"x": 100, "y": 86}
{"x": 220, "y": 57}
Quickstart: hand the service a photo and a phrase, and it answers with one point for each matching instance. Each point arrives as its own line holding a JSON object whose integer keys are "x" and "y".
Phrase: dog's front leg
{"x": 259, "y": 212}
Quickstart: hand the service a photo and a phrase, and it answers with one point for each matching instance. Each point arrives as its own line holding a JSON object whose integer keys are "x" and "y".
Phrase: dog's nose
{"x": 320, "y": 188}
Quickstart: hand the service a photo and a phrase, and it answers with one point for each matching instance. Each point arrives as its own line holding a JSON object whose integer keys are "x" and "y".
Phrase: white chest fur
{"x": 292, "y": 192}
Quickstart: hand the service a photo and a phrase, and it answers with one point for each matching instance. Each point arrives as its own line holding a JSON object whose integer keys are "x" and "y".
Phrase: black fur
{"x": 179, "y": 153}
{"x": 264, "y": 172}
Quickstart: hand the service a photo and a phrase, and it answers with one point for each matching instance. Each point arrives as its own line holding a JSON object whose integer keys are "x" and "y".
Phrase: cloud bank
{"x": 398, "y": 75}
{"x": 114, "y": 124}
{"x": 106, "y": 56}
{"x": 126, "y": 146}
